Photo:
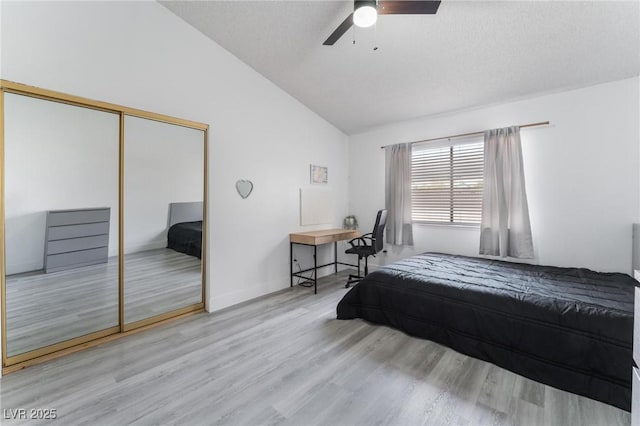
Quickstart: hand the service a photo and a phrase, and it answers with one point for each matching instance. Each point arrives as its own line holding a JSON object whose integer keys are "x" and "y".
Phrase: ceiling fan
{"x": 365, "y": 13}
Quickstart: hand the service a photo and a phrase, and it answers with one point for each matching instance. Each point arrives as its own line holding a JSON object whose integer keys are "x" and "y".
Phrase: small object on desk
{"x": 350, "y": 222}
{"x": 316, "y": 238}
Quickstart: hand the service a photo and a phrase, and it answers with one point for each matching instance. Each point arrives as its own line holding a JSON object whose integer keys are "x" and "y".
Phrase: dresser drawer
{"x": 77, "y": 244}
{"x": 57, "y": 262}
{"x": 77, "y": 217}
{"x": 77, "y": 231}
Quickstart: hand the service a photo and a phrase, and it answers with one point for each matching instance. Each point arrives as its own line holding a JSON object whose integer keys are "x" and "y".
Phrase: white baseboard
{"x": 25, "y": 266}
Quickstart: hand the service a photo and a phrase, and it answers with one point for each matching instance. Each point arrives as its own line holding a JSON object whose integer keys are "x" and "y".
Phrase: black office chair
{"x": 363, "y": 249}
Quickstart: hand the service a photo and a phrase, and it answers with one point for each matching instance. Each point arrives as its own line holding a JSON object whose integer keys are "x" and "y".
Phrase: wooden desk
{"x": 316, "y": 238}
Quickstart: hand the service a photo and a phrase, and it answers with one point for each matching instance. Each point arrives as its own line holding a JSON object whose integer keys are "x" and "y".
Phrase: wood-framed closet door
{"x": 60, "y": 225}
{"x": 164, "y": 203}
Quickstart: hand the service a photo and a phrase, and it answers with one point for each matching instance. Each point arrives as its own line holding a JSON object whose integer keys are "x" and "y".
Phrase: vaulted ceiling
{"x": 470, "y": 53}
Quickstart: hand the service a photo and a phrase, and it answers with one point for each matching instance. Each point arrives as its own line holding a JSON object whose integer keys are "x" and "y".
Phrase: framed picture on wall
{"x": 319, "y": 174}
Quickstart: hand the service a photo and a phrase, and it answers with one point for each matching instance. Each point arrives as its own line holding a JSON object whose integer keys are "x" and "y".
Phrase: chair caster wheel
{"x": 346, "y": 285}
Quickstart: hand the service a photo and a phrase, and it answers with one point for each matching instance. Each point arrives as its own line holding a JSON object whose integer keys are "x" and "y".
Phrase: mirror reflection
{"x": 163, "y": 211}
{"x": 61, "y": 222}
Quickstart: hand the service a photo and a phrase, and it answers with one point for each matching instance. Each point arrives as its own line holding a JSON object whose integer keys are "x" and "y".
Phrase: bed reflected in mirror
{"x": 61, "y": 223}
{"x": 163, "y": 218}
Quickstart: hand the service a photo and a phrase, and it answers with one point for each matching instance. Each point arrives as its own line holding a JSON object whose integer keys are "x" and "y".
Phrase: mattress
{"x": 570, "y": 328}
{"x": 186, "y": 237}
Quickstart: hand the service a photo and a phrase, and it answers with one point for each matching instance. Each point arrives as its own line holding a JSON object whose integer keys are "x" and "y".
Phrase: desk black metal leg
{"x": 315, "y": 269}
{"x": 335, "y": 256}
{"x": 291, "y": 262}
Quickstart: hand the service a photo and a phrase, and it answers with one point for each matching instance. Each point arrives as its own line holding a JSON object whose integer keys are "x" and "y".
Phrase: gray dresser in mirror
{"x": 76, "y": 238}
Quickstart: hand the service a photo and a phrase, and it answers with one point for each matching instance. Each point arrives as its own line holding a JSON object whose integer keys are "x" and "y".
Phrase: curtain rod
{"x": 462, "y": 135}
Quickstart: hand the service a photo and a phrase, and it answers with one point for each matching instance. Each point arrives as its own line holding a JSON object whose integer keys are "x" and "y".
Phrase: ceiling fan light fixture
{"x": 365, "y": 14}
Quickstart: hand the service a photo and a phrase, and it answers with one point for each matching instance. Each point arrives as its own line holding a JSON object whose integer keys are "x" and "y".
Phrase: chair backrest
{"x": 378, "y": 230}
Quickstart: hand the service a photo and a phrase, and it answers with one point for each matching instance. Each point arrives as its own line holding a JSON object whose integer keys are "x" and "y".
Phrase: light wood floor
{"x": 43, "y": 309}
{"x": 286, "y": 360}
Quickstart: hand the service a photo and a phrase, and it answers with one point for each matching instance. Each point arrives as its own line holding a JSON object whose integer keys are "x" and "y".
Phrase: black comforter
{"x": 186, "y": 237}
{"x": 566, "y": 327}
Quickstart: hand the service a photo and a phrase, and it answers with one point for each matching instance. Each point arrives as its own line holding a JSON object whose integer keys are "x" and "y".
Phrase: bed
{"x": 569, "y": 328}
{"x": 185, "y": 228}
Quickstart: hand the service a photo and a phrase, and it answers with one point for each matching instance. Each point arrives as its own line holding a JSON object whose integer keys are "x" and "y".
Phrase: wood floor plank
{"x": 286, "y": 360}
{"x": 524, "y": 413}
{"x": 498, "y": 389}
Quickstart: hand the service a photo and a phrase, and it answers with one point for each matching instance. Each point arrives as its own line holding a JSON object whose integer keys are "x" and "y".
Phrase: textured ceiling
{"x": 470, "y": 53}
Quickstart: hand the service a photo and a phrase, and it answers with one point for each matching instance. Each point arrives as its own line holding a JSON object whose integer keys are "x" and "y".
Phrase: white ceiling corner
{"x": 470, "y": 53}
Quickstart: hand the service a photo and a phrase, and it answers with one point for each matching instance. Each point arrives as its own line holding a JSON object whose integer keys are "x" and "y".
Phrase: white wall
{"x": 582, "y": 174}
{"x": 58, "y": 157}
{"x": 141, "y": 55}
{"x": 163, "y": 164}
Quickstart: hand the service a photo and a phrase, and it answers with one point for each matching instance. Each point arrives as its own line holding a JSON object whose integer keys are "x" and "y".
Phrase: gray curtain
{"x": 398, "y": 194}
{"x": 505, "y": 227}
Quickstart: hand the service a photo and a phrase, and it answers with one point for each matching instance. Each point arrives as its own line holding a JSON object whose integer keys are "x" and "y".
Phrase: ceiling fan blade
{"x": 342, "y": 28}
{"x": 410, "y": 7}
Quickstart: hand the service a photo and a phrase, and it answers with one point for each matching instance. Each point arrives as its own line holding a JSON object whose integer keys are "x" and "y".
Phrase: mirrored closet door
{"x": 102, "y": 221}
{"x": 164, "y": 169}
{"x": 61, "y": 224}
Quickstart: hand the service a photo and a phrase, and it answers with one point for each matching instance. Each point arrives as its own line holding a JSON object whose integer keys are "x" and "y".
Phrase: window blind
{"x": 446, "y": 183}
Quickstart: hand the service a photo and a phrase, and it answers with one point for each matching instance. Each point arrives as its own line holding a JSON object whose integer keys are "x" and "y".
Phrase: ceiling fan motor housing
{"x": 365, "y": 13}
{"x": 359, "y": 3}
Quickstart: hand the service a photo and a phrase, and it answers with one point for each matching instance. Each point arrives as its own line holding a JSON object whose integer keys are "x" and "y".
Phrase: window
{"x": 446, "y": 183}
